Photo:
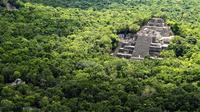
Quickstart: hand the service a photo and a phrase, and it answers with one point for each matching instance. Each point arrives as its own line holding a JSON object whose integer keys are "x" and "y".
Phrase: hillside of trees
{"x": 60, "y": 50}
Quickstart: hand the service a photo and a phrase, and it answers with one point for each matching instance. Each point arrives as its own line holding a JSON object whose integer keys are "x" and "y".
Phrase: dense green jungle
{"x": 60, "y": 50}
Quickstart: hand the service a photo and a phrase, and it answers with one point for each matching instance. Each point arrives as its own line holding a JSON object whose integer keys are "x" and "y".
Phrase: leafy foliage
{"x": 60, "y": 49}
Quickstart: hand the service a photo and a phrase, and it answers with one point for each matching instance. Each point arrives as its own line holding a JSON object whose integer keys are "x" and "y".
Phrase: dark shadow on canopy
{"x": 83, "y": 4}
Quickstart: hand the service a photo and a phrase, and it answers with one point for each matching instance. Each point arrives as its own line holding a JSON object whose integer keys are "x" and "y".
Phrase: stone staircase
{"x": 125, "y": 49}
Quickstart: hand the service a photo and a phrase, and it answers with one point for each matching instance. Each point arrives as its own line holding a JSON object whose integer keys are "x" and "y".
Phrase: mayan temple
{"x": 149, "y": 41}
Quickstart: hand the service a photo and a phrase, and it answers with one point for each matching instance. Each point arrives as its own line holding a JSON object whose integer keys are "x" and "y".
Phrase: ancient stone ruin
{"x": 10, "y": 6}
{"x": 16, "y": 82}
{"x": 152, "y": 38}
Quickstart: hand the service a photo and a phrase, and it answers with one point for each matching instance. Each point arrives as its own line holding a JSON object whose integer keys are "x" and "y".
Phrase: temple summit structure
{"x": 152, "y": 38}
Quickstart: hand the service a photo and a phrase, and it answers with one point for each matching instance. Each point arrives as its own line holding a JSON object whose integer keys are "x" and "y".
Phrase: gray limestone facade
{"x": 149, "y": 41}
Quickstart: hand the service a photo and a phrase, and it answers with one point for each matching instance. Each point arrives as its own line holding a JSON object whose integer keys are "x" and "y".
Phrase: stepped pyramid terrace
{"x": 152, "y": 38}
